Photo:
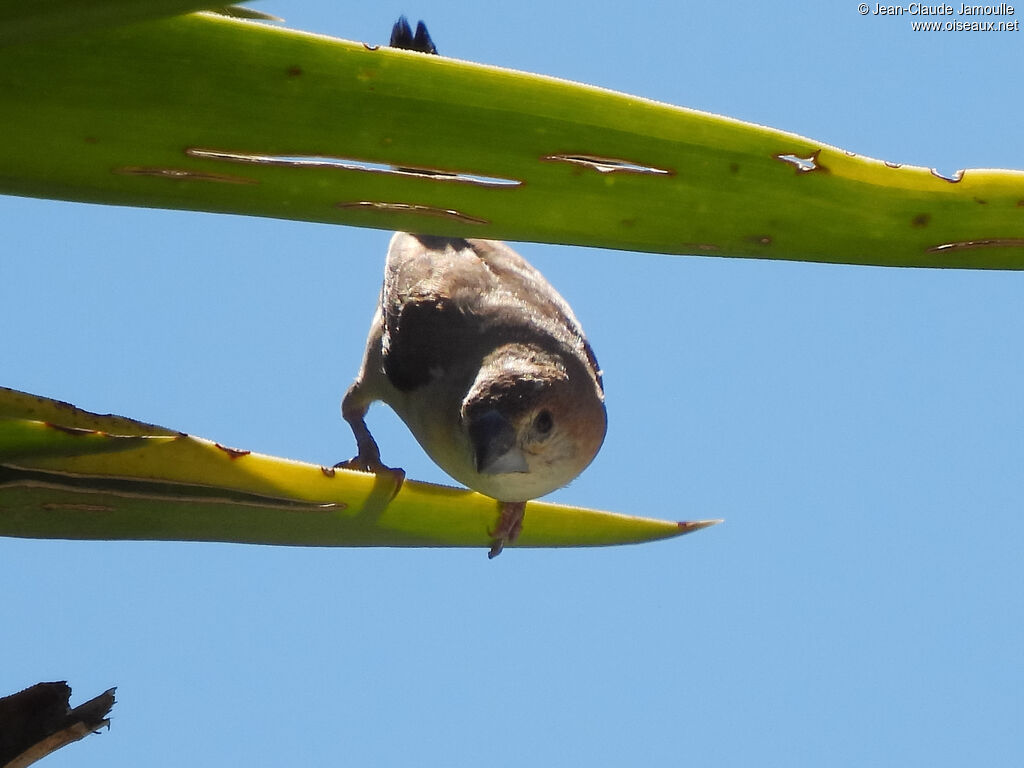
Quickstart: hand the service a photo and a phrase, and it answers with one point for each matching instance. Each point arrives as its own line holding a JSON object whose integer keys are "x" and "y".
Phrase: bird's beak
{"x": 494, "y": 445}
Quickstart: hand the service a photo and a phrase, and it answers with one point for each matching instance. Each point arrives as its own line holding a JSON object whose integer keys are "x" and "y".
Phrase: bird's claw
{"x": 375, "y": 467}
{"x": 510, "y": 523}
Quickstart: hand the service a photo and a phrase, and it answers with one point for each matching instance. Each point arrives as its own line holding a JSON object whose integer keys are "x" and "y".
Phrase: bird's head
{"x": 534, "y": 420}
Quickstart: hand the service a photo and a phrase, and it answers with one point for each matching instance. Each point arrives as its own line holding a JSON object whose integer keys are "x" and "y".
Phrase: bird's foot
{"x": 374, "y": 466}
{"x": 510, "y": 523}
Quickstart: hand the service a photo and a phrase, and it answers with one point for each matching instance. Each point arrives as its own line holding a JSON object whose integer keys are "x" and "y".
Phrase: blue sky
{"x": 860, "y": 429}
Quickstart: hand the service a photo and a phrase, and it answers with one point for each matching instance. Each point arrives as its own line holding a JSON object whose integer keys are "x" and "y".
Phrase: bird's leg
{"x": 353, "y": 410}
{"x": 510, "y": 523}
{"x": 367, "y": 458}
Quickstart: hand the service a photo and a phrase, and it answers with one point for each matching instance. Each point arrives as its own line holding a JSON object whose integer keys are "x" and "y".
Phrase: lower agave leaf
{"x": 129, "y": 480}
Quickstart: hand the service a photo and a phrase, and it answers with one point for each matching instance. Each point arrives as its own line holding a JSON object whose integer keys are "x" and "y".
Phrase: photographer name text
{"x": 921, "y": 9}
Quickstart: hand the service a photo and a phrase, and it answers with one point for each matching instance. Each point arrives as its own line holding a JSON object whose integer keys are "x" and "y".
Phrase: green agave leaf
{"x": 23, "y": 438}
{"x": 208, "y": 113}
{"x": 155, "y": 484}
{"x": 15, "y": 405}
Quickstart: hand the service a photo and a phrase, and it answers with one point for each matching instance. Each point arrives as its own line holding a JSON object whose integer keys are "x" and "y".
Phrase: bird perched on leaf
{"x": 485, "y": 363}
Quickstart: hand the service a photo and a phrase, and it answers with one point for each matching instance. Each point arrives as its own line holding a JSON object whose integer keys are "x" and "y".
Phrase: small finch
{"x": 487, "y": 366}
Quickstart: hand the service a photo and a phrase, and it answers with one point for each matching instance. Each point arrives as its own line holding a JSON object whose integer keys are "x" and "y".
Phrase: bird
{"x": 488, "y": 367}
{"x": 484, "y": 362}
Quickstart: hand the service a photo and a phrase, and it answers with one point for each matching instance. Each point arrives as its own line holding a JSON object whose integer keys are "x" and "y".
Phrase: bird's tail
{"x": 403, "y": 37}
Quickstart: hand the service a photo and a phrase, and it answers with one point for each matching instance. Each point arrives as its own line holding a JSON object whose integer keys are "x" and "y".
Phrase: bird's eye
{"x": 543, "y": 423}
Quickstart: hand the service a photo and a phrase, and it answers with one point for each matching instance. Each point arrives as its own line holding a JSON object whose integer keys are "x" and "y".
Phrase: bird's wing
{"x": 424, "y": 324}
{"x": 443, "y": 294}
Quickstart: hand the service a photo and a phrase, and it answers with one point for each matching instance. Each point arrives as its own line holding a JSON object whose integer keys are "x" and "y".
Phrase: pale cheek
{"x": 553, "y": 457}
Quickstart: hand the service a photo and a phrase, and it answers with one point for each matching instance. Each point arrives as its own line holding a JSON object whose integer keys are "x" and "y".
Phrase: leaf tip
{"x": 689, "y": 526}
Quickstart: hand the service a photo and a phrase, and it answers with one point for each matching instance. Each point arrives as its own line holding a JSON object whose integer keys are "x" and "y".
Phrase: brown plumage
{"x": 487, "y": 365}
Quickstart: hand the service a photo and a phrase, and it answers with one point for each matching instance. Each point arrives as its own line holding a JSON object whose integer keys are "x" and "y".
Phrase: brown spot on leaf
{"x": 294, "y": 71}
{"x": 233, "y": 453}
{"x": 51, "y": 506}
{"x": 609, "y": 164}
{"x": 734, "y": 167}
{"x": 921, "y": 220}
{"x": 965, "y": 245}
{"x": 328, "y": 471}
{"x": 760, "y": 239}
{"x": 317, "y": 162}
{"x": 423, "y": 210}
{"x": 74, "y": 431}
{"x": 979, "y": 201}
